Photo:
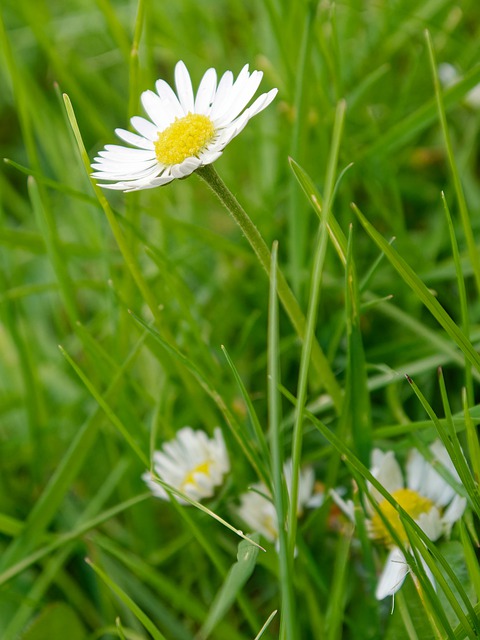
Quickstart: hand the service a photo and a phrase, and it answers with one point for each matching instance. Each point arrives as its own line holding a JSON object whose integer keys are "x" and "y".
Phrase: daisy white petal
{"x": 134, "y": 139}
{"x": 144, "y": 127}
{"x": 167, "y": 94}
{"x": 184, "y": 87}
{"x": 453, "y": 512}
{"x": 206, "y": 92}
{"x": 240, "y": 102}
{"x": 157, "y": 110}
{"x": 393, "y": 574}
{"x": 431, "y": 523}
{"x": 387, "y": 471}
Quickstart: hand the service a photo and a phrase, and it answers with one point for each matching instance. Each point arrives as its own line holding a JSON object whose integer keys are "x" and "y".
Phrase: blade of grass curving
{"x": 287, "y": 620}
{"x": 122, "y": 243}
{"x": 265, "y": 626}
{"x": 467, "y": 486}
{"x": 405, "y": 130}
{"x": 100, "y": 399}
{"x": 297, "y": 224}
{"x": 202, "y": 379}
{"x": 52, "y": 184}
{"x": 48, "y": 503}
{"x": 308, "y": 338}
{"x": 64, "y": 538}
{"x": 472, "y": 439}
{"x": 337, "y": 599}
{"x": 471, "y": 559}
{"x": 462, "y": 204}
{"x": 357, "y": 398}
{"x": 288, "y": 300}
{"x": 56, "y": 562}
{"x": 432, "y": 563}
{"x": 462, "y": 294}
{"x": 337, "y": 236}
{"x": 422, "y": 292}
{"x": 59, "y": 262}
{"x": 235, "y": 580}
{"x": 128, "y": 602}
{"x": 254, "y": 420}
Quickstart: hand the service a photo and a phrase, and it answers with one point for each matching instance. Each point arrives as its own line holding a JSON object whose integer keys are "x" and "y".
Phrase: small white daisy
{"x": 428, "y": 499}
{"x": 183, "y": 132}
{"x": 192, "y": 463}
{"x": 256, "y": 507}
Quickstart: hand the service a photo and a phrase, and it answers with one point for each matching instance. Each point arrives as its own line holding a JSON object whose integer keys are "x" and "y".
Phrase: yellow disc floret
{"x": 184, "y": 138}
{"x": 203, "y": 467}
{"x": 412, "y": 502}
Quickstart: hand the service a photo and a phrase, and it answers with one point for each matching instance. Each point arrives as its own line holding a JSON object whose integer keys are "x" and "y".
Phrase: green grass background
{"x": 73, "y": 450}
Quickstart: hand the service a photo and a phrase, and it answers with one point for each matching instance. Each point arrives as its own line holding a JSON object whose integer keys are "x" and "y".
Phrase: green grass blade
{"x": 422, "y": 292}
{"x": 128, "y": 602}
{"x": 236, "y": 578}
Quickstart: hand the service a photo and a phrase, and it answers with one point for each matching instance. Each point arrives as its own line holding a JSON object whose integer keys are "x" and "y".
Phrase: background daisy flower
{"x": 428, "y": 499}
{"x": 192, "y": 463}
{"x": 183, "y": 131}
{"x": 256, "y": 507}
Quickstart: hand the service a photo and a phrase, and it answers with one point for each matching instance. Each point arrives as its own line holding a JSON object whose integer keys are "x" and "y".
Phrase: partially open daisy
{"x": 192, "y": 463}
{"x": 427, "y": 498}
{"x": 256, "y": 507}
{"x": 183, "y": 132}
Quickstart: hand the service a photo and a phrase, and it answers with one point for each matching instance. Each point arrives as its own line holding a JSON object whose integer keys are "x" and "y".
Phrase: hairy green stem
{"x": 288, "y": 300}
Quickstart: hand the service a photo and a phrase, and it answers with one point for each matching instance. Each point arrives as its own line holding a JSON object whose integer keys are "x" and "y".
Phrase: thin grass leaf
{"x": 265, "y": 626}
{"x": 337, "y": 600}
{"x": 128, "y": 602}
{"x": 236, "y": 578}
{"x": 462, "y": 294}
{"x": 462, "y": 204}
{"x": 422, "y": 292}
{"x": 254, "y": 420}
{"x": 472, "y": 439}
{"x": 357, "y": 399}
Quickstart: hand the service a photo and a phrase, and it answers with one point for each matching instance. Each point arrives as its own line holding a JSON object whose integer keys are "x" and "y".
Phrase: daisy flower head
{"x": 192, "y": 463}
{"x": 183, "y": 131}
{"x": 256, "y": 507}
{"x": 424, "y": 494}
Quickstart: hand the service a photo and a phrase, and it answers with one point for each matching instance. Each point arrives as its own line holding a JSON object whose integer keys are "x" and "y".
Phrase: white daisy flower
{"x": 428, "y": 499}
{"x": 192, "y": 463}
{"x": 183, "y": 131}
{"x": 257, "y": 509}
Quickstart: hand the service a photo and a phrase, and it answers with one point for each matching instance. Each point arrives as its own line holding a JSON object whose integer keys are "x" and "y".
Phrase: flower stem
{"x": 288, "y": 300}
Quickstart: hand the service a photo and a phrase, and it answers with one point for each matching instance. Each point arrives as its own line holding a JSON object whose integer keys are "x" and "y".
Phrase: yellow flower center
{"x": 412, "y": 502}
{"x": 204, "y": 467}
{"x": 184, "y": 138}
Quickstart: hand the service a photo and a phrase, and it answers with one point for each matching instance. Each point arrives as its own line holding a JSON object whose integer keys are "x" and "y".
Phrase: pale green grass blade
{"x": 405, "y": 130}
{"x": 265, "y": 626}
{"x": 462, "y": 294}
{"x": 46, "y": 506}
{"x": 469, "y": 549}
{"x": 236, "y": 578}
{"x": 422, "y": 292}
{"x": 254, "y": 420}
{"x": 138, "y": 613}
{"x": 288, "y": 623}
{"x": 462, "y": 204}
{"x": 308, "y": 339}
{"x": 62, "y": 539}
{"x": 472, "y": 440}
{"x": 357, "y": 400}
{"x": 447, "y": 435}
{"x": 109, "y": 412}
{"x": 236, "y": 429}
{"x": 335, "y": 612}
